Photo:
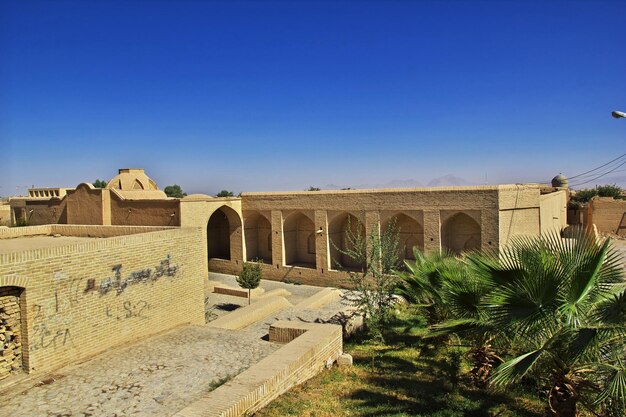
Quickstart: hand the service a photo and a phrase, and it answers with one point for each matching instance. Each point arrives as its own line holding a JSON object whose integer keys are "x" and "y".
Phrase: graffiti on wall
{"x": 118, "y": 283}
{"x": 128, "y": 310}
{"x": 45, "y": 337}
{"x": 52, "y": 323}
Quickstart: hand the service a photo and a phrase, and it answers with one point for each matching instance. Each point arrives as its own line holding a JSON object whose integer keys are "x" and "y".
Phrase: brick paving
{"x": 160, "y": 375}
{"x": 155, "y": 377}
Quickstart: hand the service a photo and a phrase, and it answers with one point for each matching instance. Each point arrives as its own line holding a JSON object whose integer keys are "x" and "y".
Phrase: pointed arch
{"x": 460, "y": 233}
{"x": 410, "y": 234}
{"x": 258, "y": 236}
{"x": 137, "y": 185}
{"x": 222, "y": 228}
{"x": 340, "y": 230}
{"x": 297, "y": 229}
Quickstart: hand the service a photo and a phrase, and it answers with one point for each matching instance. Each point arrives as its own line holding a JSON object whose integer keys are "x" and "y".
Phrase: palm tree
{"x": 563, "y": 304}
{"x": 422, "y": 282}
{"x": 451, "y": 291}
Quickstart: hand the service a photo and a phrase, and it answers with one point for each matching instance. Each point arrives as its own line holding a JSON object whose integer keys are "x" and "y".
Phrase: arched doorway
{"x": 299, "y": 240}
{"x": 258, "y": 235}
{"x": 221, "y": 230}
{"x": 345, "y": 232}
{"x": 410, "y": 235}
{"x": 460, "y": 233}
{"x": 11, "y": 331}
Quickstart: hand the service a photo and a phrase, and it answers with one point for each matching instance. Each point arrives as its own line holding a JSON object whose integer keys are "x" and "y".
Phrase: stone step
{"x": 320, "y": 299}
{"x": 277, "y": 292}
{"x": 252, "y": 313}
{"x": 237, "y": 291}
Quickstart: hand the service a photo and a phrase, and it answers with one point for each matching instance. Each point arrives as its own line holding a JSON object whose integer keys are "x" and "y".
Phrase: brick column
{"x": 278, "y": 250}
{"x": 321, "y": 241}
{"x": 106, "y": 207}
{"x": 489, "y": 232}
{"x": 432, "y": 231}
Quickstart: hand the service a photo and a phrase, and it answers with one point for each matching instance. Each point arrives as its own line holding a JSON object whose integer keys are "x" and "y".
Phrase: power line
{"x": 597, "y": 168}
{"x": 599, "y": 176}
{"x": 611, "y": 166}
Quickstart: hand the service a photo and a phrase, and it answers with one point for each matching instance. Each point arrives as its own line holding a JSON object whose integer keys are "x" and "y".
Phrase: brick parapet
{"x": 129, "y": 235}
{"x": 311, "y": 347}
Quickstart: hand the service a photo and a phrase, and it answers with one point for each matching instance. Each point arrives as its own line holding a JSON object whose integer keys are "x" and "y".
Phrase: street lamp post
{"x": 618, "y": 114}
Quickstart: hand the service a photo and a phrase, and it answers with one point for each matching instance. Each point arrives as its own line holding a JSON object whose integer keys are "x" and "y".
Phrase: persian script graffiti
{"x": 119, "y": 284}
{"x": 50, "y": 338}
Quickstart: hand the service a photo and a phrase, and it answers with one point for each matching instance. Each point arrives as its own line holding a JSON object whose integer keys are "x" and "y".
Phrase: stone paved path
{"x": 163, "y": 374}
{"x": 155, "y": 377}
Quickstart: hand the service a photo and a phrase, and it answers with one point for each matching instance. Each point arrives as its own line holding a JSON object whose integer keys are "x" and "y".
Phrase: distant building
{"x": 301, "y": 235}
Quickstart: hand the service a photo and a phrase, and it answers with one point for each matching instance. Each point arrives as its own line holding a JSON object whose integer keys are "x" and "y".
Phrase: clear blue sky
{"x": 282, "y": 95}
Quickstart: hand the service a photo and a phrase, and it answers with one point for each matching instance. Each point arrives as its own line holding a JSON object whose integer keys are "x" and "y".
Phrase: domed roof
{"x": 560, "y": 181}
{"x": 131, "y": 179}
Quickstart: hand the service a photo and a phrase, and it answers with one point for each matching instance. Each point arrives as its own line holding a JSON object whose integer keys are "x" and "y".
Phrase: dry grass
{"x": 400, "y": 379}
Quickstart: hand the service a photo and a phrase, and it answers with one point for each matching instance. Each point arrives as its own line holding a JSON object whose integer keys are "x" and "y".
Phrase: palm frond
{"x": 461, "y": 327}
{"x": 612, "y": 309}
{"x": 513, "y": 370}
{"x": 615, "y": 386}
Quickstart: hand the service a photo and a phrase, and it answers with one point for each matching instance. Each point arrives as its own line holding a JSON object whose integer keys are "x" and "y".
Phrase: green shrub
{"x": 250, "y": 276}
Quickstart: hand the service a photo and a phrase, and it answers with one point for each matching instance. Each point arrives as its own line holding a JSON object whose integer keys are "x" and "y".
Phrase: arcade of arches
{"x": 320, "y": 240}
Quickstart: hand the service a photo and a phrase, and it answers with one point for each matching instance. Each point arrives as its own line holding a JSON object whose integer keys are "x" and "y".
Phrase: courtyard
{"x": 165, "y": 373}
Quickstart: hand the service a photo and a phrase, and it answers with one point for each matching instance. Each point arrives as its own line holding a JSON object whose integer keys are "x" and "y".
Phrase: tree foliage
{"x": 311, "y": 188}
{"x": 555, "y": 309}
{"x": 563, "y": 305}
{"x": 372, "y": 289}
{"x": 423, "y": 282}
{"x": 609, "y": 190}
{"x": 225, "y": 193}
{"x": 250, "y": 276}
{"x": 174, "y": 191}
{"x": 99, "y": 183}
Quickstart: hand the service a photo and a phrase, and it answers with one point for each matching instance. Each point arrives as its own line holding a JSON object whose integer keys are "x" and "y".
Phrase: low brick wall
{"x": 13, "y": 232}
{"x": 311, "y": 348}
{"x": 77, "y": 230}
{"x": 78, "y": 300}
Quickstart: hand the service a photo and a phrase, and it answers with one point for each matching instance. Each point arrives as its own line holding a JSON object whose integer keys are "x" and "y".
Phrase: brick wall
{"x": 310, "y": 348}
{"x": 608, "y": 214}
{"x": 81, "y": 299}
{"x": 145, "y": 212}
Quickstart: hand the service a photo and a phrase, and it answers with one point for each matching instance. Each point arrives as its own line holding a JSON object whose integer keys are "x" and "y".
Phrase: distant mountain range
{"x": 445, "y": 181}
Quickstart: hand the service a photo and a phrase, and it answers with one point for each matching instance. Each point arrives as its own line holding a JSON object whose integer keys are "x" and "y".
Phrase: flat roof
{"x": 400, "y": 190}
{"x": 22, "y": 243}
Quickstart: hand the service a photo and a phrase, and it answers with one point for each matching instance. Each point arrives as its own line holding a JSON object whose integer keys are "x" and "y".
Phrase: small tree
{"x": 372, "y": 289}
{"x": 99, "y": 183}
{"x": 250, "y": 277}
{"x": 225, "y": 193}
{"x": 174, "y": 191}
{"x": 313, "y": 188}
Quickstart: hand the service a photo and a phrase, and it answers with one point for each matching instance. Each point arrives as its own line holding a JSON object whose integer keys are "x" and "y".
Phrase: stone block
{"x": 344, "y": 360}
